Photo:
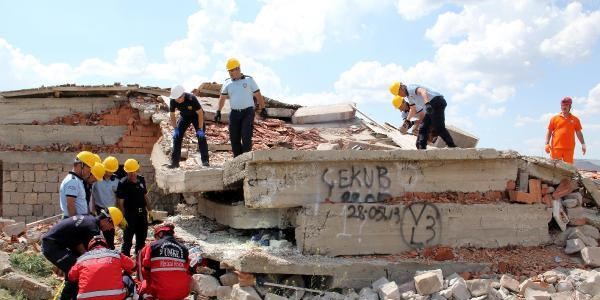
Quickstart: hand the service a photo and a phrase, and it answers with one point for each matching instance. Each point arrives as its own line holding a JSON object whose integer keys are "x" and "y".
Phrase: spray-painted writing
{"x": 374, "y": 213}
{"x": 421, "y": 225}
{"x": 357, "y": 184}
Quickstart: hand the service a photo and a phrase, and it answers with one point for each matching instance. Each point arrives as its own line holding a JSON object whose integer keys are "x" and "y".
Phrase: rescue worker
{"x": 104, "y": 195}
{"x": 99, "y": 272}
{"x": 561, "y": 132}
{"x": 165, "y": 267}
{"x": 67, "y": 240}
{"x": 435, "y": 106}
{"x": 131, "y": 198}
{"x": 240, "y": 89}
{"x": 72, "y": 192}
{"x": 190, "y": 111}
{"x": 399, "y": 103}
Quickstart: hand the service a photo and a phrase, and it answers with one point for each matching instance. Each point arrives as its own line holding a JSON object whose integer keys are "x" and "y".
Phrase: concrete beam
{"x": 358, "y": 229}
{"x": 70, "y": 89}
{"x": 283, "y": 178}
{"x": 27, "y": 110}
{"x": 240, "y": 217}
{"x": 323, "y": 113}
{"x": 182, "y": 181}
{"x": 43, "y": 135}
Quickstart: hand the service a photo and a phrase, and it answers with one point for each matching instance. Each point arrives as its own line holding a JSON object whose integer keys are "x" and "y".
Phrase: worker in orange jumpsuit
{"x": 165, "y": 267}
{"x": 99, "y": 272}
{"x": 560, "y": 139}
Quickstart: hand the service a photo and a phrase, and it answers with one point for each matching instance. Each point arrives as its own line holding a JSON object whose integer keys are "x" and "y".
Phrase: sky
{"x": 502, "y": 65}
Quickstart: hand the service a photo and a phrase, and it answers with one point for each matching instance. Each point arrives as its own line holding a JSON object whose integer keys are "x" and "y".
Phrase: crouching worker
{"x": 99, "y": 273}
{"x": 165, "y": 267}
{"x": 68, "y": 239}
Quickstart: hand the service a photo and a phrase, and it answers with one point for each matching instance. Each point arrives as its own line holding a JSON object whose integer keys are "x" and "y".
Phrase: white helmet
{"x": 177, "y": 91}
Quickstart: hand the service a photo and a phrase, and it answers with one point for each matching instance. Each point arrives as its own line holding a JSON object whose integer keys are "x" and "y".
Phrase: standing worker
{"x": 72, "y": 192}
{"x": 562, "y": 130}
{"x": 190, "y": 111}
{"x": 67, "y": 240}
{"x": 104, "y": 195}
{"x": 435, "y": 106}
{"x": 165, "y": 267}
{"x": 131, "y": 198}
{"x": 99, "y": 273}
{"x": 240, "y": 89}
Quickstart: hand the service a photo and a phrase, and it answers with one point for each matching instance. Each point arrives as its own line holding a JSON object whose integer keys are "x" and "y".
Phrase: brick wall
{"x": 30, "y": 190}
{"x": 140, "y": 135}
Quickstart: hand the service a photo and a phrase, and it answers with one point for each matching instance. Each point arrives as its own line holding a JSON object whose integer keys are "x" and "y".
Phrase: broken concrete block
{"x": 478, "y": 287}
{"x": 438, "y": 272}
{"x": 590, "y": 231}
{"x": 367, "y": 294}
{"x": 494, "y": 294}
{"x": 531, "y": 294}
{"x": 4, "y": 263}
{"x": 553, "y": 276}
{"x": 571, "y": 203}
{"x": 276, "y": 112}
{"x": 591, "y": 285}
{"x": 591, "y": 256}
{"x": 564, "y": 286}
{"x": 509, "y": 282}
{"x": 388, "y": 291}
{"x": 574, "y": 246}
{"x": 244, "y": 293}
{"x": 461, "y": 138}
{"x": 5, "y": 222}
{"x": 378, "y": 283}
{"x": 446, "y": 293}
{"x": 160, "y": 215}
{"x": 224, "y": 292}
{"x": 328, "y": 146}
{"x": 228, "y": 279}
{"x": 15, "y": 229}
{"x": 460, "y": 290}
{"x": 205, "y": 285}
{"x": 590, "y": 186}
{"x": 323, "y": 113}
{"x": 559, "y": 215}
{"x": 575, "y": 195}
{"x": 535, "y": 285}
{"x": 31, "y": 288}
{"x": 578, "y": 234}
{"x": 407, "y": 286}
{"x": 428, "y": 283}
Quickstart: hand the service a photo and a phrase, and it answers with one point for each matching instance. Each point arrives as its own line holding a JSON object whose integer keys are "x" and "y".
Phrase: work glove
{"x": 548, "y": 148}
{"x": 175, "y": 133}
{"x": 583, "y": 148}
{"x": 218, "y": 116}
{"x": 200, "y": 134}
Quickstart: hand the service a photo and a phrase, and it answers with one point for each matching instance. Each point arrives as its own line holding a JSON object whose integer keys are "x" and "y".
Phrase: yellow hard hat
{"x": 397, "y": 101}
{"x": 232, "y": 63}
{"x": 97, "y": 158}
{"x": 116, "y": 216}
{"x": 131, "y": 165}
{"x": 86, "y": 157}
{"x": 395, "y": 88}
{"x": 111, "y": 164}
{"x": 98, "y": 171}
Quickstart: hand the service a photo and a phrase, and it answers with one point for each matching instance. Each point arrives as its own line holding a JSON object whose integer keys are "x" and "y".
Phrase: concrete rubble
{"x": 329, "y": 203}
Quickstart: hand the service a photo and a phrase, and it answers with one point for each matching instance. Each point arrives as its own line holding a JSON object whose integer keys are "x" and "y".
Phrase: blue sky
{"x": 502, "y": 65}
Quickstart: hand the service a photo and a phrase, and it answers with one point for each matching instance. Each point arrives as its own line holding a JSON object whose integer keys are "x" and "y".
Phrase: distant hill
{"x": 588, "y": 164}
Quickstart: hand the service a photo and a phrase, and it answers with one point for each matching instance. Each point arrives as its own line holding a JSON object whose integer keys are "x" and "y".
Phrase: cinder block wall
{"x": 31, "y": 181}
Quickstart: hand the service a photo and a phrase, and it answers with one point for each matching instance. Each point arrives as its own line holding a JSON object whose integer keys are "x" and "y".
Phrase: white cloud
{"x": 414, "y": 9}
{"x": 523, "y": 121}
{"x": 486, "y": 111}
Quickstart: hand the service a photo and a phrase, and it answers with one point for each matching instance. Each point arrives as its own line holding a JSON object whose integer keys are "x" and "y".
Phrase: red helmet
{"x": 566, "y": 100}
{"x": 167, "y": 228}
{"x": 97, "y": 241}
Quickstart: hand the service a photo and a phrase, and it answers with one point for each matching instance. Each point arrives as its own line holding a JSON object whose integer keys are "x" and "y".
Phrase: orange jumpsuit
{"x": 563, "y": 136}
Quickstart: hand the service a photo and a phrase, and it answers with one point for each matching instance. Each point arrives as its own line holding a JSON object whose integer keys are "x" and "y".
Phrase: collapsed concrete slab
{"x": 44, "y": 135}
{"x": 323, "y": 113}
{"x": 362, "y": 228}
{"x": 284, "y": 178}
{"x": 461, "y": 138}
{"x": 240, "y": 217}
{"x": 27, "y": 110}
{"x": 181, "y": 181}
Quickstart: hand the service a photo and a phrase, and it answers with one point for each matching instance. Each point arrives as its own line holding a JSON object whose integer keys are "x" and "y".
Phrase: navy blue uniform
{"x": 135, "y": 212}
{"x": 187, "y": 114}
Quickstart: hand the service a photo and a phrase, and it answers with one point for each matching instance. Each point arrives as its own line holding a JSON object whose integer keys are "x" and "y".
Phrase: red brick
{"x": 443, "y": 253}
{"x": 544, "y": 189}
{"x": 522, "y": 197}
{"x": 547, "y": 199}
{"x": 565, "y": 187}
{"x": 511, "y": 185}
{"x": 535, "y": 189}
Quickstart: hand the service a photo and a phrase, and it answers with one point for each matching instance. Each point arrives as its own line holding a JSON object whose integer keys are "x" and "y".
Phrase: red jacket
{"x": 99, "y": 273}
{"x": 165, "y": 269}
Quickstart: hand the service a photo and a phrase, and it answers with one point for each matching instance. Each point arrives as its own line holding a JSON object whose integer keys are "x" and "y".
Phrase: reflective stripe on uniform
{"x": 101, "y": 293}
{"x": 167, "y": 258}
{"x": 168, "y": 269}
{"x": 98, "y": 255}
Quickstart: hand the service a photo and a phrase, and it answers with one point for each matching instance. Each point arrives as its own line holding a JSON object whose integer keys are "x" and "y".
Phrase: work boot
{"x": 205, "y": 164}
